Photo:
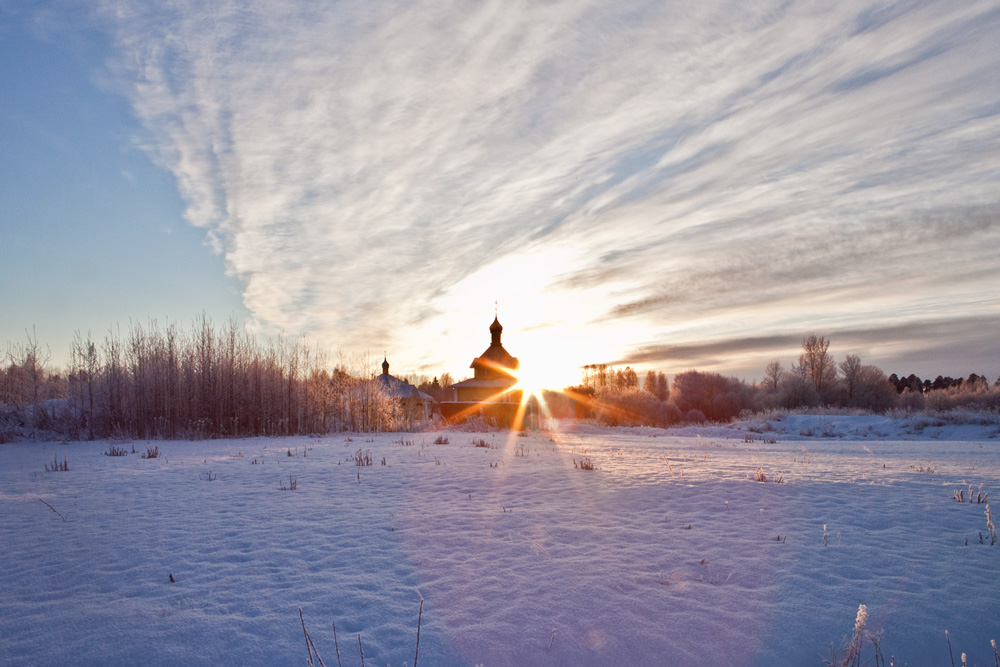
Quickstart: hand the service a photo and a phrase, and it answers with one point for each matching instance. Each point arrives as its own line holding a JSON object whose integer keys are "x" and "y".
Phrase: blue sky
{"x": 93, "y": 231}
{"x": 667, "y": 185}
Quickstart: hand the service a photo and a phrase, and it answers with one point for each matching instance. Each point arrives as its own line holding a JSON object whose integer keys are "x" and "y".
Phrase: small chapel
{"x": 491, "y": 392}
{"x": 410, "y": 406}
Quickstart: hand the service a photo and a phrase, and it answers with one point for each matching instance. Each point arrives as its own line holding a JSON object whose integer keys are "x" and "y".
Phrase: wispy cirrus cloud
{"x": 634, "y": 173}
{"x": 907, "y": 345}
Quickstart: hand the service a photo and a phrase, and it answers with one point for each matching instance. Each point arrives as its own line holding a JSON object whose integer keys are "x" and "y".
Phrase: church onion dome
{"x": 495, "y": 330}
{"x": 495, "y": 362}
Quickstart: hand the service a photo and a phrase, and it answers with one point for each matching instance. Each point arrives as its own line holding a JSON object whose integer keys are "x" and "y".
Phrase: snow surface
{"x": 667, "y": 553}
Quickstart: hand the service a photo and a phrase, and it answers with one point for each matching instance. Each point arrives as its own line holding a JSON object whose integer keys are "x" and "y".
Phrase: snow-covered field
{"x": 668, "y": 552}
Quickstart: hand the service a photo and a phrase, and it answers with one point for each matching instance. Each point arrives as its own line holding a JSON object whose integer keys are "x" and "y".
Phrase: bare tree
{"x": 656, "y": 384}
{"x": 872, "y": 389}
{"x": 772, "y": 375}
{"x": 796, "y": 389}
{"x": 649, "y": 384}
{"x": 369, "y": 407}
{"x": 714, "y": 396}
{"x": 817, "y": 362}
{"x": 26, "y": 378}
{"x": 598, "y": 375}
{"x": 84, "y": 381}
{"x": 662, "y": 387}
{"x": 849, "y": 368}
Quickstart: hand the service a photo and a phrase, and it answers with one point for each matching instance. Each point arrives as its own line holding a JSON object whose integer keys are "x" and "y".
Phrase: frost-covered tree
{"x": 977, "y": 382}
{"x": 627, "y": 379}
{"x": 849, "y": 369}
{"x": 656, "y": 384}
{"x": 817, "y": 363}
{"x": 772, "y": 375}
{"x": 719, "y": 398}
{"x": 662, "y": 387}
{"x": 872, "y": 390}
{"x": 796, "y": 390}
{"x": 649, "y": 384}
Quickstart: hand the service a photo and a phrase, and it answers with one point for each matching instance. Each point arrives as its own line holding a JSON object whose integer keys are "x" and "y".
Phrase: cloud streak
{"x": 908, "y": 345}
{"x": 374, "y": 172}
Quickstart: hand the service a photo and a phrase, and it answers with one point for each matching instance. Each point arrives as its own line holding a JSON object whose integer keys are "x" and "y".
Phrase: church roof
{"x": 494, "y": 356}
{"x": 396, "y": 388}
{"x": 495, "y": 362}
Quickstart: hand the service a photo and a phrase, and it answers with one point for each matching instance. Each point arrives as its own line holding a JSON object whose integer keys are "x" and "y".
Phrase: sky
{"x": 667, "y": 185}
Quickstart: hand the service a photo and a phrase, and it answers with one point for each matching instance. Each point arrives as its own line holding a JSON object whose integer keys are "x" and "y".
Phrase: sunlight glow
{"x": 545, "y": 361}
{"x": 532, "y": 380}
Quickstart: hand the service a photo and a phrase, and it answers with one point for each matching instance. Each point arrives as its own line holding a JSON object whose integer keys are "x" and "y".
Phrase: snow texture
{"x": 668, "y": 552}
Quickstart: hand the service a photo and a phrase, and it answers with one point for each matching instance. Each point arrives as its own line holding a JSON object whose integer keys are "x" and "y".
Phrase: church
{"x": 408, "y": 406}
{"x": 491, "y": 393}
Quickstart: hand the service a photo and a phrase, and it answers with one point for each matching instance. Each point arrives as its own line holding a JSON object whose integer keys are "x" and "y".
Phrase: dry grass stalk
{"x": 854, "y": 649}
{"x": 56, "y": 466}
{"x": 420, "y": 615}
{"x": 313, "y": 657}
{"x": 669, "y": 467}
{"x": 310, "y": 646}
{"x": 336, "y": 645}
{"x": 53, "y": 509}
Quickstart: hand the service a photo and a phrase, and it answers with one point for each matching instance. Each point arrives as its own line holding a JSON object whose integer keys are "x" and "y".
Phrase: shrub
{"x": 719, "y": 398}
{"x": 56, "y": 466}
{"x": 152, "y": 453}
{"x": 695, "y": 416}
{"x": 631, "y": 407}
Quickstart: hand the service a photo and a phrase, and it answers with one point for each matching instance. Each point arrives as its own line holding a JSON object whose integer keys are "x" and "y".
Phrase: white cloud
{"x": 359, "y": 164}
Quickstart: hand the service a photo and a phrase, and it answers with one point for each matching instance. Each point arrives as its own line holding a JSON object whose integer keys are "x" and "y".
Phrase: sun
{"x": 541, "y": 371}
{"x": 529, "y": 384}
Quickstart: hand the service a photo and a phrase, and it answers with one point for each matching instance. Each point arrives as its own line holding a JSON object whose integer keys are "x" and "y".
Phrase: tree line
{"x": 206, "y": 382}
{"x": 616, "y": 396}
{"x": 209, "y": 382}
